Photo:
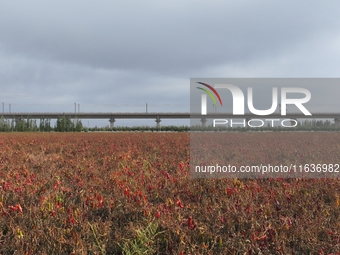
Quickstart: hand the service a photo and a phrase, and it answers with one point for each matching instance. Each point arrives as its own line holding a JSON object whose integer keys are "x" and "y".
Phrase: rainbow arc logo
{"x": 209, "y": 93}
{"x": 204, "y": 96}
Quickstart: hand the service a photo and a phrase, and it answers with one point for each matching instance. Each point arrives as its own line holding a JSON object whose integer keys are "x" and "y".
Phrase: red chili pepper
{"x": 19, "y": 208}
{"x": 179, "y": 203}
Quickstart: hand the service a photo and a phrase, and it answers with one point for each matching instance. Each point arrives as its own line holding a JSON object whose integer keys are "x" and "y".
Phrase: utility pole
{"x": 75, "y": 112}
{"x": 9, "y": 108}
{"x": 77, "y": 116}
{"x": 3, "y": 107}
{"x": 146, "y": 108}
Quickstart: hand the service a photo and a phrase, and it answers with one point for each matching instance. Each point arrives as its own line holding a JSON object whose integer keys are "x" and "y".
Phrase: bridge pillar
{"x": 203, "y": 121}
{"x": 112, "y": 122}
{"x": 158, "y": 122}
{"x": 337, "y": 122}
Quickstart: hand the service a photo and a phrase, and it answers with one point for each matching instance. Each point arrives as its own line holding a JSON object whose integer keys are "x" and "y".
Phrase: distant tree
{"x": 47, "y": 125}
{"x": 327, "y": 123}
{"x": 42, "y": 125}
{"x": 20, "y": 125}
{"x": 79, "y": 126}
{"x": 32, "y": 125}
{"x": 64, "y": 124}
{"x": 2, "y": 124}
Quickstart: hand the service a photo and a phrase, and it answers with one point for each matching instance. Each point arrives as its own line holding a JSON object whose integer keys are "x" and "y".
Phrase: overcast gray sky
{"x": 118, "y": 55}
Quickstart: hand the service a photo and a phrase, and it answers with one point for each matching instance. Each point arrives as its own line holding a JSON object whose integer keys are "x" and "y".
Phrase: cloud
{"x": 165, "y": 38}
{"x": 115, "y": 52}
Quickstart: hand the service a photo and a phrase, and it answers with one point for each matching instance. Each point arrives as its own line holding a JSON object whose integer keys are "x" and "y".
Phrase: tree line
{"x": 65, "y": 124}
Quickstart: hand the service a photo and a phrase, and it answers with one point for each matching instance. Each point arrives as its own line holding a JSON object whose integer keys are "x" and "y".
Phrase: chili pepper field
{"x": 131, "y": 193}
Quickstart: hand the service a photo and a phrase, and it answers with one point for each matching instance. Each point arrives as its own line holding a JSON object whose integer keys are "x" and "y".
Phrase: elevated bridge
{"x": 158, "y": 116}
